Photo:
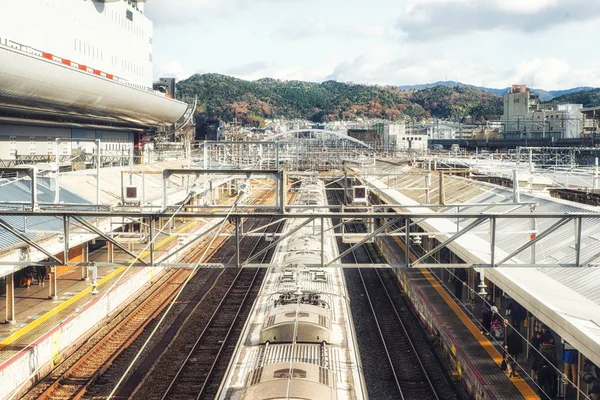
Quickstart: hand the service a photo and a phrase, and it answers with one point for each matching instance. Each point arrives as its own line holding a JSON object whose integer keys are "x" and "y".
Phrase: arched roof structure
{"x": 319, "y": 131}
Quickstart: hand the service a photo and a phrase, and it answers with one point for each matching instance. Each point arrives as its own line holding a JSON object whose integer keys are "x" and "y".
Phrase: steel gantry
{"x": 478, "y": 236}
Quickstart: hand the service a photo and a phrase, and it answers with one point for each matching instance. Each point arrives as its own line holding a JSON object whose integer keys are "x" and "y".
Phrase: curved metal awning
{"x": 319, "y": 131}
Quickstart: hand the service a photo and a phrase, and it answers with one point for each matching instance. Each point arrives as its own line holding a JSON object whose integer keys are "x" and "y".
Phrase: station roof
{"x": 12, "y": 193}
{"x": 76, "y": 188}
{"x": 566, "y": 299}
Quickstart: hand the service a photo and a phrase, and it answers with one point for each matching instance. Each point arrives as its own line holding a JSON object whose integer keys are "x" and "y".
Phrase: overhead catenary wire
{"x": 105, "y": 293}
{"x": 173, "y": 301}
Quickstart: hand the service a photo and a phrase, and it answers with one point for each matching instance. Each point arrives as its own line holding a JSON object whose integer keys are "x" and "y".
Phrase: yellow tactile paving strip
{"x": 522, "y": 386}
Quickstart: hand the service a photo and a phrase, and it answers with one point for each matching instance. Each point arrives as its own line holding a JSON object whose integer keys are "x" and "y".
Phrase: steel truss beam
{"x": 363, "y": 240}
{"x": 30, "y": 242}
{"x": 325, "y": 214}
{"x": 98, "y": 232}
{"x": 451, "y": 239}
{"x": 555, "y": 221}
{"x": 539, "y": 237}
{"x": 308, "y": 266}
{"x": 282, "y": 238}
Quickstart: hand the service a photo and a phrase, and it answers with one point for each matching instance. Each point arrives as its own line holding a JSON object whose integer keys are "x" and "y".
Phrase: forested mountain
{"x": 589, "y": 98}
{"x": 545, "y": 95}
{"x": 226, "y": 97}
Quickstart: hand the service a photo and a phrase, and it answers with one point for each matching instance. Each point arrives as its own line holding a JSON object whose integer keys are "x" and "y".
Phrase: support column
{"x": 53, "y": 289}
{"x": 10, "y": 299}
{"x": 427, "y": 183}
{"x": 111, "y": 252}
{"x": 237, "y": 241}
{"x": 151, "y": 237}
{"x": 322, "y": 243}
{"x": 85, "y": 258}
{"x": 442, "y": 194}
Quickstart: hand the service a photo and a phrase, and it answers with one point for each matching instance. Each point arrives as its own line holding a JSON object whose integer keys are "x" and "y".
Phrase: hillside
{"x": 589, "y": 98}
{"x": 226, "y": 97}
{"x": 545, "y": 95}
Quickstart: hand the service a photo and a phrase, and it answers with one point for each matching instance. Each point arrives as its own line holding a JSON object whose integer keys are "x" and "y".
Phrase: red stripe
{"x": 49, "y": 56}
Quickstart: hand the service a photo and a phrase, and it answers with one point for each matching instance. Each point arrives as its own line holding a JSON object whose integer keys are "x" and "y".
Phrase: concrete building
{"x": 519, "y": 106}
{"x": 78, "y": 71}
{"x": 591, "y": 120}
{"x": 524, "y": 117}
{"x": 388, "y": 136}
{"x": 442, "y": 130}
{"x": 564, "y": 121}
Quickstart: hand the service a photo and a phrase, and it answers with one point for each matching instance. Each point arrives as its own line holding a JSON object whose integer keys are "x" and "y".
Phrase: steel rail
{"x": 92, "y": 354}
{"x": 398, "y": 319}
{"x": 208, "y": 325}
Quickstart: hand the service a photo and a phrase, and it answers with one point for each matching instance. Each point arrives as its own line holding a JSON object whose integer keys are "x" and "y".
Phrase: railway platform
{"x": 473, "y": 356}
{"x": 47, "y": 329}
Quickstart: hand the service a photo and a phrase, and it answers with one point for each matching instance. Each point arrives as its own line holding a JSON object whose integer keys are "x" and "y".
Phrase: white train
{"x": 298, "y": 342}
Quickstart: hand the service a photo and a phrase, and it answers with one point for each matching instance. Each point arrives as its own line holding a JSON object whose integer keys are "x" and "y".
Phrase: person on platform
{"x": 487, "y": 314}
{"x": 516, "y": 313}
{"x": 40, "y": 272}
{"x": 591, "y": 377}
{"x": 460, "y": 280}
{"x": 570, "y": 360}
{"x": 547, "y": 334}
{"x": 27, "y": 277}
{"x": 548, "y": 350}
{"x": 514, "y": 347}
{"x": 534, "y": 356}
{"x": 547, "y": 382}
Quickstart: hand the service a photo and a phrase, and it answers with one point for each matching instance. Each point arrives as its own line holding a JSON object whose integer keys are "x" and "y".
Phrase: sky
{"x": 550, "y": 44}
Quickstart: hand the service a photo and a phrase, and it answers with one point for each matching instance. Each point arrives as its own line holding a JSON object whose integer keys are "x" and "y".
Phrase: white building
{"x": 77, "y": 69}
{"x": 440, "y": 130}
{"x": 84, "y": 60}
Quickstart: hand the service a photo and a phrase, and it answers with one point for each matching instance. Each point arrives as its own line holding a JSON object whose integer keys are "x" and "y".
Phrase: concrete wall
{"x": 36, "y": 360}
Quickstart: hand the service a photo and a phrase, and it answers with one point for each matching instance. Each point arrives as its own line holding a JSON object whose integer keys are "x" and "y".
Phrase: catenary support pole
{"x": 53, "y": 289}
{"x": 10, "y": 299}
{"x": 85, "y": 258}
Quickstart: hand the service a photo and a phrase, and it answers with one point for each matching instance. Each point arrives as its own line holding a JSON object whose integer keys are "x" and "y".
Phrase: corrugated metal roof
{"x": 557, "y": 248}
{"x": 32, "y": 227}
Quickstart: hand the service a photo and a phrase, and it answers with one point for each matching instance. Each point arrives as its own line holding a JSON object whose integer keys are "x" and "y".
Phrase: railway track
{"x": 201, "y": 371}
{"x": 199, "y": 353}
{"x": 193, "y": 377}
{"x": 73, "y": 383}
{"x": 73, "y": 379}
{"x": 411, "y": 369}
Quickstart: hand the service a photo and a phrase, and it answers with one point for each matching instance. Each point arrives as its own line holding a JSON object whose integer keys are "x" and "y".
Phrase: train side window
{"x": 285, "y": 373}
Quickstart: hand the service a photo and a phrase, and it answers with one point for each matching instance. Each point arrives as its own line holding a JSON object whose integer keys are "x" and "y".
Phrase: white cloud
{"x": 491, "y": 42}
{"x": 555, "y": 73}
{"x": 300, "y": 29}
{"x": 186, "y": 11}
{"x": 251, "y": 71}
{"x": 172, "y": 69}
{"x": 548, "y": 73}
{"x": 424, "y": 20}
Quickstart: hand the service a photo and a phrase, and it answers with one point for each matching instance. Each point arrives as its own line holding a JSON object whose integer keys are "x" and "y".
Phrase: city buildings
{"x": 525, "y": 117}
{"x": 388, "y": 136}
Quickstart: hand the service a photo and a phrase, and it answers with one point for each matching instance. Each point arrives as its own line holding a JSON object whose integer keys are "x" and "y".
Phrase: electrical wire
{"x": 174, "y": 301}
